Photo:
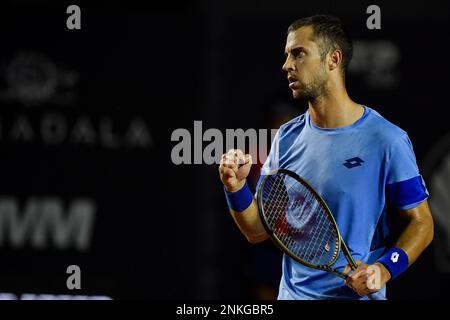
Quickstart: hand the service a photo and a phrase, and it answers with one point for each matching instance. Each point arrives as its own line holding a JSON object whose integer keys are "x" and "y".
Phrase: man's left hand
{"x": 367, "y": 279}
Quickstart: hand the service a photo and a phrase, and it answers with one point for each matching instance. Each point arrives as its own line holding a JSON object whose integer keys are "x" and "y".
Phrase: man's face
{"x": 306, "y": 71}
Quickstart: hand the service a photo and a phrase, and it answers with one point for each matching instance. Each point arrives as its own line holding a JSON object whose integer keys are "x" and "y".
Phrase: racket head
{"x": 283, "y": 198}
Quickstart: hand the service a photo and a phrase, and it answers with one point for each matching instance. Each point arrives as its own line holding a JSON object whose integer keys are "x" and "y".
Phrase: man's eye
{"x": 298, "y": 53}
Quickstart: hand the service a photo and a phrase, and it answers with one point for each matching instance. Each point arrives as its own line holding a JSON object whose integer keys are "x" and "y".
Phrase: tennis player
{"x": 363, "y": 166}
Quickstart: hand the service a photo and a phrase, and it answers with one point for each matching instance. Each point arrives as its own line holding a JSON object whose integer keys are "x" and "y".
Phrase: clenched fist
{"x": 234, "y": 168}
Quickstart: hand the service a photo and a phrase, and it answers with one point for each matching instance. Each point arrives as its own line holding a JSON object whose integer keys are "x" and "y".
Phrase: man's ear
{"x": 335, "y": 59}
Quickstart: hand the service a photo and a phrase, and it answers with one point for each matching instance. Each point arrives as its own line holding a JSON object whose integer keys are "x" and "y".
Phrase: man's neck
{"x": 335, "y": 110}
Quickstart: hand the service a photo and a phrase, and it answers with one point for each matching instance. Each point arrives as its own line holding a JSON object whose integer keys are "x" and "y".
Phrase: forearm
{"x": 415, "y": 237}
{"x": 250, "y": 223}
{"x": 418, "y": 233}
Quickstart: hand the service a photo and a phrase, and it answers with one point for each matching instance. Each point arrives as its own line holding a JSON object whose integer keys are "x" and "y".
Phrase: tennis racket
{"x": 301, "y": 224}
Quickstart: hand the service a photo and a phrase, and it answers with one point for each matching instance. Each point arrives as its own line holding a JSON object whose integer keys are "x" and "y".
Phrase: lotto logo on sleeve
{"x": 394, "y": 257}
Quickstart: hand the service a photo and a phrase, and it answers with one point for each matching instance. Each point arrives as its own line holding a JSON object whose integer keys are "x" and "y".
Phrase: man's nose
{"x": 288, "y": 65}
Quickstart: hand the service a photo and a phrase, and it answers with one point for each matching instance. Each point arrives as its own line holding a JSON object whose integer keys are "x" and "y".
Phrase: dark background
{"x": 162, "y": 231}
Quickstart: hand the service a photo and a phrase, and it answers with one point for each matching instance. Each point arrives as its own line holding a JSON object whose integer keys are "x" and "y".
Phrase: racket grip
{"x": 377, "y": 296}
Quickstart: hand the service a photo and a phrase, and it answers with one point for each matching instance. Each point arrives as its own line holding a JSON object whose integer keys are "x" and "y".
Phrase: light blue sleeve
{"x": 405, "y": 187}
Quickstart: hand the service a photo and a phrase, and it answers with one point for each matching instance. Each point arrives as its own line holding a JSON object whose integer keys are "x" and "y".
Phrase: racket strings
{"x": 298, "y": 220}
{"x": 321, "y": 232}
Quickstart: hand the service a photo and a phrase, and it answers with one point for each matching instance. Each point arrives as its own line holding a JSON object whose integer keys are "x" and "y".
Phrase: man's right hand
{"x": 234, "y": 169}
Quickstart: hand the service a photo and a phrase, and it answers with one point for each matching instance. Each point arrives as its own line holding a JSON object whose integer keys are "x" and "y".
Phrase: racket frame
{"x": 340, "y": 245}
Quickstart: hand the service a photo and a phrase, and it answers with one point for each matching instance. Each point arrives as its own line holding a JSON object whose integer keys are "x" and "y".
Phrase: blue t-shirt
{"x": 360, "y": 170}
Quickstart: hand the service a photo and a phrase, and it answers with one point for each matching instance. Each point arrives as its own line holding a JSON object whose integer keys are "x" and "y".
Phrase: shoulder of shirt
{"x": 384, "y": 130}
{"x": 296, "y": 122}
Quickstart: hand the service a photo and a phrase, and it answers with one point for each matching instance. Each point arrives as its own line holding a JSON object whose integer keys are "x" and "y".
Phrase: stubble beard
{"x": 314, "y": 90}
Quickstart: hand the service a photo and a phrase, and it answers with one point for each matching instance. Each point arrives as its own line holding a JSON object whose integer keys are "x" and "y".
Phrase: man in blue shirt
{"x": 360, "y": 163}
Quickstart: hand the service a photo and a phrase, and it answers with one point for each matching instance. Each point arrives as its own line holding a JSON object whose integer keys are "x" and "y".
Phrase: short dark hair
{"x": 331, "y": 33}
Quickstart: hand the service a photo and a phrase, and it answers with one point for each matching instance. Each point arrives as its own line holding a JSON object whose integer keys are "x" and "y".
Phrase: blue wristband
{"x": 395, "y": 260}
{"x": 239, "y": 200}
